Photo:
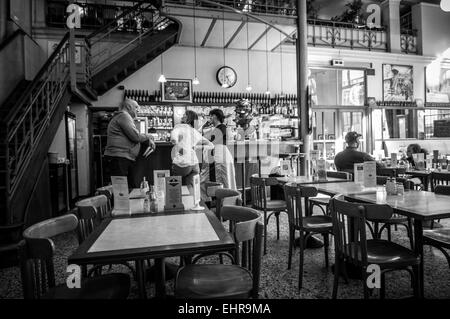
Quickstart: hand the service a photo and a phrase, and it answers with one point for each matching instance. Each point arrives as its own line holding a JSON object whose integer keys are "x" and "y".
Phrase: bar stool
{"x": 269, "y": 207}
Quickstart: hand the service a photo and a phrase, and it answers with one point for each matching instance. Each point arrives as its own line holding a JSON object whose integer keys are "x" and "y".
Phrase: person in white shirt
{"x": 187, "y": 140}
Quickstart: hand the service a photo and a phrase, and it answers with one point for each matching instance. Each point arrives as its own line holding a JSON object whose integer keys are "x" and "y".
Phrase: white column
{"x": 390, "y": 16}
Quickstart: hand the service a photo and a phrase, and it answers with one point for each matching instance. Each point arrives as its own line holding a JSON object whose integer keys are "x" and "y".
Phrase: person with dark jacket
{"x": 124, "y": 140}
{"x": 346, "y": 159}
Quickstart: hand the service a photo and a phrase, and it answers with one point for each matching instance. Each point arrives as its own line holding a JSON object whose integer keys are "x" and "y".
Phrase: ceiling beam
{"x": 291, "y": 36}
{"x": 208, "y": 33}
{"x": 235, "y": 33}
{"x": 260, "y": 37}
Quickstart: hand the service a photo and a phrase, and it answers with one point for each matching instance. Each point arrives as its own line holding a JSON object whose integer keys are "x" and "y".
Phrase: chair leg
{"x": 265, "y": 232}
{"x": 277, "y": 217}
{"x": 415, "y": 281}
{"x": 300, "y": 268}
{"x": 389, "y": 232}
{"x": 337, "y": 272}
{"x": 364, "y": 283}
{"x": 326, "y": 245}
{"x": 291, "y": 245}
{"x": 409, "y": 230}
{"x": 383, "y": 286}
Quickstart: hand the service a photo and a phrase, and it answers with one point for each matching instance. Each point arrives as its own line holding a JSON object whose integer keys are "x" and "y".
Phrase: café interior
{"x": 300, "y": 87}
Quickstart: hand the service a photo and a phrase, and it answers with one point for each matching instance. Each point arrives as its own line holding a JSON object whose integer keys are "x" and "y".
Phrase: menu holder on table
{"x": 173, "y": 194}
{"x": 286, "y": 168}
{"x": 322, "y": 169}
{"x": 370, "y": 174}
{"x": 121, "y": 196}
{"x": 359, "y": 173}
{"x": 419, "y": 160}
{"x": 394, "y": 161}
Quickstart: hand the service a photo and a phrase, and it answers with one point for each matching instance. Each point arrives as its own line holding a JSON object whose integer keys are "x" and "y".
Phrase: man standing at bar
{"x": 124, "y": 141}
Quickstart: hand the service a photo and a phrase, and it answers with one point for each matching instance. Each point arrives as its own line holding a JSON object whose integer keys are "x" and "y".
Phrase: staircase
{"x": 116, "y": 53}
{"x": 33, "y": 113}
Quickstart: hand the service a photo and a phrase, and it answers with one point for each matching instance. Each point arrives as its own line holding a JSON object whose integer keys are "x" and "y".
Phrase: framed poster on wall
{"x": 176, "y": 90}
{"x": 398, "y": 82}
{"x": 437, "y": 83}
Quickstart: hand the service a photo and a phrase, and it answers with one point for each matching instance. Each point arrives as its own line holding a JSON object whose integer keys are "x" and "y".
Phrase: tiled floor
{"x": 276, "y": 281}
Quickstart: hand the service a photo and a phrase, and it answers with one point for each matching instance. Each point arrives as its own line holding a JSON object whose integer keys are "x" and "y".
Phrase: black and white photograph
{"x": 279, "y": 154}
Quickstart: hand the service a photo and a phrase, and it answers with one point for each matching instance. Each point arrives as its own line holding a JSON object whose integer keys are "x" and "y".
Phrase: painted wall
{"x": 434, "y": 27}
{"x": 59, "y": 141}
{"x": 178, "y": 63}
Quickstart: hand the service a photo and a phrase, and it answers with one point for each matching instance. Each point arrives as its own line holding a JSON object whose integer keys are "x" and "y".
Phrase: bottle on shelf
{"x": 144, "y": 186}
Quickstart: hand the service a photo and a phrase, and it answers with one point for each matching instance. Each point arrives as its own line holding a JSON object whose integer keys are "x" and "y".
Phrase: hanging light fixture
{"x": 267, "y": 65}
{"x": 445, "y": 5}
{"x": 162, "y": 78}
{"x": 195, "y": 81}
{"x": 224, "y": 85}
{"x": 249, "y": 86}
{"x": 281, "y": 66}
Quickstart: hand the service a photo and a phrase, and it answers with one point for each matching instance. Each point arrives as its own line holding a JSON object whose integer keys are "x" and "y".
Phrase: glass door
{"x": 71, "y": 144}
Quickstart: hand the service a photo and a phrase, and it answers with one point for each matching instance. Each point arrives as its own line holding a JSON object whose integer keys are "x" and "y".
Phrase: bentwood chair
{"x": 323, "y": 201}
{"x": 440, "y": 237}
{"x": 261, "y": 202}
{"x": 108, "y": 192}
{"x": 439, "y": 178}
{"x": 38, "y": 273}
{"x": 306, "y": 225}
{"x": 237, "y": 280}
{"x": 352, "y": 246}
{"x": 91, "y": 211}
{"x": 395, "y": 220}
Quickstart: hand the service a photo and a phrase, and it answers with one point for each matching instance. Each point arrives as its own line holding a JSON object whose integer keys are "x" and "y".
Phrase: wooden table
{"x": 419, "y": 205}
{"x": 308, "y": 180}
{"x": 152, "y": 236}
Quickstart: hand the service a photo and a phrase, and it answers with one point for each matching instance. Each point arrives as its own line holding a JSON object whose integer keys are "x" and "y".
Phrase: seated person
{"x": 413, "y": 149}
{"x": 344, "y": 160}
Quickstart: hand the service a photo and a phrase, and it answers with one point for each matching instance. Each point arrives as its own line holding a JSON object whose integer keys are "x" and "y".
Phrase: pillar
{"x": 390, "y": 17}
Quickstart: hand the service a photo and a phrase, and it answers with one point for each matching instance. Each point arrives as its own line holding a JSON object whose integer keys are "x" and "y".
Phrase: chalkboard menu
{"x": 441, "y": 128}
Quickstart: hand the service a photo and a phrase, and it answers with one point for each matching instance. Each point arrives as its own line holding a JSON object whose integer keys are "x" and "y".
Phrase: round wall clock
{"x": 226, "y": 76}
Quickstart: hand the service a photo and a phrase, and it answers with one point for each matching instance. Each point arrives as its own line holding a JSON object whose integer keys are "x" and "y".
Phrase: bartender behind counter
{"x": 124, "y": 141}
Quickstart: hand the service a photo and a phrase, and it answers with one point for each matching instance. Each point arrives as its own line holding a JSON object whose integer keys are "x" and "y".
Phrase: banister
{"x": 29, "y": 90}
{"x": 107, "y": 26}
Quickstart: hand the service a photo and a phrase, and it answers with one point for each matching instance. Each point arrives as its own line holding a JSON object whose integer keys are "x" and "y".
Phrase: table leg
{"x": 160, "y": 283}
{"x": 418, "y": 239}
{"x": 244, "y": 198}
{"x": 140, "y": 277}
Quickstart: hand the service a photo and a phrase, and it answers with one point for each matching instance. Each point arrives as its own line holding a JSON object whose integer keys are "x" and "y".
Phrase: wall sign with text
{"x": 174, "y": 90}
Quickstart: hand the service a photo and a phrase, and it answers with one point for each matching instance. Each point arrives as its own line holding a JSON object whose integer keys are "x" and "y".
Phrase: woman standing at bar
{"x": 222, "y": 167}
{"x": 186, "y": 138}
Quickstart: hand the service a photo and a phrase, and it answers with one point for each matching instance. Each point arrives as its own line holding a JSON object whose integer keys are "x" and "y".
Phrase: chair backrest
{"x": 90, "y": 213}
{"x": 339, "y": 174}
{"x": 442, "y": 189}
{"x": 36, "y": 254}
{"x": 108, "y": 192}
{"x": 259, "y": 190}
{"x": 407, "y": 184}
{"x": 294, "y": 194}
{"x": 386, "y": 171}
{"x": 438, "y": 178}
{"x": 226, "y": 196}
{"x": 349, "y": 227}
{"x": 247, "y": 231}
{"x": 237, "y": 214}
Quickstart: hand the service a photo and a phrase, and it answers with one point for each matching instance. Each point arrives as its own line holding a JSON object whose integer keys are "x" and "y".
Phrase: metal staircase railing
{"x": 29, "y": 118}
{"x": 124, "y": 34}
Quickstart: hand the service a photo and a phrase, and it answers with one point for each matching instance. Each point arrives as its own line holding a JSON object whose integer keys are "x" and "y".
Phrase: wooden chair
{"x": 438, "y": 178}
{"x": 395, "y": 220}
{"x": 352, "y": 246}
{"x": 91, "y": 211}
{"x": 238, "y": 280}
{"x": 108, "y": 192}
{"x": 440, "y": 237}
{"x": 261, "y": 202}
{"x": 226, "y": 196}
{"x": 37, "y": 269}
{"x": 306, "y": 225}
{"x": 322, "y": 201}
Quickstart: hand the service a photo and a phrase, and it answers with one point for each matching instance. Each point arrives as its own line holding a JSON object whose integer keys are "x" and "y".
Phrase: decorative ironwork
{"x": 408, "y": 41}
{"x": 31, "y": 115}
{"x": 346, "y": 35}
